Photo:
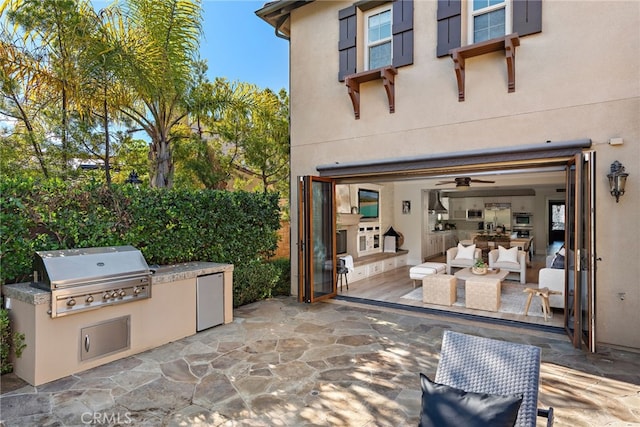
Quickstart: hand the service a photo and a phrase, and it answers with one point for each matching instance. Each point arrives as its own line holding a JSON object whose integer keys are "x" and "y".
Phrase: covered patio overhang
{"x": 522, "y": 156}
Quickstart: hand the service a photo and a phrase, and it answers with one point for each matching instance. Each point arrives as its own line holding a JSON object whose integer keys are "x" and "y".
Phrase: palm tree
{"x": 101, "y": 92}
{"x": 56, "y": 28}
{"x": 22, "y": 93}
{"x": 158, "y": 71}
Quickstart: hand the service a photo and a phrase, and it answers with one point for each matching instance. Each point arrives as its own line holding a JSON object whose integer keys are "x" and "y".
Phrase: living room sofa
{"x": 553, "y": 279}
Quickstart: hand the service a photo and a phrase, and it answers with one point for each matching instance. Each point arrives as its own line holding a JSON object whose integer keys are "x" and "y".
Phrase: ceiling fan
{"x": 464, "y": 181}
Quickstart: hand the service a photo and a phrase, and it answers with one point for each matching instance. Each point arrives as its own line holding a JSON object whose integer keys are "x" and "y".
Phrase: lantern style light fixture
{"x": 133, "y": 179}
{"x": 617, "y": 180}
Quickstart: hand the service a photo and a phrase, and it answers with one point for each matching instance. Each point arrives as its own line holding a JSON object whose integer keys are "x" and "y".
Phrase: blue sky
{"x": 240, "y": 46}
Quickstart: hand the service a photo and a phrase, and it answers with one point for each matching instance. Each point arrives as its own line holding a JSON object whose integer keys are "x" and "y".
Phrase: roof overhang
{"x": 485, "y": 159}
{"x": 276, "y": 14}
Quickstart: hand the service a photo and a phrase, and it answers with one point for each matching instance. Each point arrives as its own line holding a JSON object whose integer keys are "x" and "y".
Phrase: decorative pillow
{"x": 558, "y": 260}
{"x": 445, "y": 406}
{"x": 465, "y": 252}
{"x": 507, "y": 255}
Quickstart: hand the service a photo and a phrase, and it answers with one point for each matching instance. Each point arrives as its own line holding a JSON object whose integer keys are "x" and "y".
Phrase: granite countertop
{"x": 165, "y": 274}
{"x": 187, "y": 270}
{"x": 25, "y": 293}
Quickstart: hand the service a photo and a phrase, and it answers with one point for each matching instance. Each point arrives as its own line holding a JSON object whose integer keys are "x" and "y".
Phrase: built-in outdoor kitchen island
{"x": 60, "y": 344}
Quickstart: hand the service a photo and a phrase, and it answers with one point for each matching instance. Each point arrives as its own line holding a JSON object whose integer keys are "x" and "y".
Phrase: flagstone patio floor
{"x": 283, "y": 363}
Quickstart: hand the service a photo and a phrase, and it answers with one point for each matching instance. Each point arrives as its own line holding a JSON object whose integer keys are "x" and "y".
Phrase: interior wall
{"x": 411, "y": 224}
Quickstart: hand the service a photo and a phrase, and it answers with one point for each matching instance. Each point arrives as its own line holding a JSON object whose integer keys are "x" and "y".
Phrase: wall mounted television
{"x": 368, "y": 203}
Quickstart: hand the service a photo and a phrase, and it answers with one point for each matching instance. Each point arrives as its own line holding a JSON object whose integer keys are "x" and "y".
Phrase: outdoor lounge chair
{"x": 495, "y": 369}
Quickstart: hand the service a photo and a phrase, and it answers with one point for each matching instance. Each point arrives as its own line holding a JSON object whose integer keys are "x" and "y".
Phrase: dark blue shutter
{"x": 402, "y": 29}
{"x": 449, "y": 26}
{"x": 527, "y": 17}
{"x": 347, "y": 42}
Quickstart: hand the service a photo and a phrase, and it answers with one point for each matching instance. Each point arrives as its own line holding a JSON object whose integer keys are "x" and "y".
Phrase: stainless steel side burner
{"x": 90, "y": 278}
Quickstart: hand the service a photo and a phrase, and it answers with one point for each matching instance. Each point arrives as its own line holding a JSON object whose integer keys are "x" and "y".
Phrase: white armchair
{"x": 553, "y": 279}
{"x": 461, "y": 262}
{"x": 519, "y": 265}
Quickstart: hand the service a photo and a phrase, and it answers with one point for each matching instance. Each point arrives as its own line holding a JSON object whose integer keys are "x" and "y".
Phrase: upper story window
{"x": 488, "y": 19}
{"x": 378, "y": 51}
{"x": 520, "y": 16}
{"x": 375, "y": 34}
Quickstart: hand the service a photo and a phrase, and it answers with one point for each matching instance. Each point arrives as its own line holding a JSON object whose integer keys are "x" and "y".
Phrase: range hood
{"x": 435, "y": 205}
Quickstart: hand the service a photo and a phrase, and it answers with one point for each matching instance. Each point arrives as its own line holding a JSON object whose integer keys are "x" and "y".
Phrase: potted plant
{"x": 479, "y": 267}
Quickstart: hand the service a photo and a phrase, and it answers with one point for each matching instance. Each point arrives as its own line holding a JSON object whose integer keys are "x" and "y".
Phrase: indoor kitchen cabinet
{"x": 474, "y": 203}
{"x": 457, "y": 209}
{"x": 522, "y": 203}
{"x": 437, "y": 243}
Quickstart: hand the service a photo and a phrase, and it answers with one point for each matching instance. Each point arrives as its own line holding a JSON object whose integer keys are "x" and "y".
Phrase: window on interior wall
{"x": 378, "y": 36}
{"x": 488, "y": 19}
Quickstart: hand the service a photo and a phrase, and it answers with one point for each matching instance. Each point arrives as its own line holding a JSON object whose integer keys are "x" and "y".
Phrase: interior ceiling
{"x": 552, "y": 177}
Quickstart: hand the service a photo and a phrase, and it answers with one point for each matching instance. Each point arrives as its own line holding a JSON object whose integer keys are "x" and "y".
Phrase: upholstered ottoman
{"x": 482, "y": 294}
{"x": 439, "y": 289}
{"x": 417, "y": 272}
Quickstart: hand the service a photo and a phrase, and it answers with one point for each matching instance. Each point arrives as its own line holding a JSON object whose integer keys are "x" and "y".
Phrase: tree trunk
{"x": 65, "y": 142}
{"x": 30, "y": 132}
{"x": 107, "y": 148}
{"x": 162, "y": 164}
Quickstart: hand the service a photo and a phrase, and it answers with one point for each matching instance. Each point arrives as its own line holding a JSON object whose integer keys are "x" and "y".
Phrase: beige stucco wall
{"x": 579, "y": 78}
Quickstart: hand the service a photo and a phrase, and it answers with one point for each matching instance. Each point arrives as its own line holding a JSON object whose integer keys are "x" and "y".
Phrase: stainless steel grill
{"x": 90, "y": 278}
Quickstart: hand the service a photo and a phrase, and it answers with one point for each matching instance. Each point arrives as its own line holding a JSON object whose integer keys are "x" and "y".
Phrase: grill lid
{"x": 71, "y": 267}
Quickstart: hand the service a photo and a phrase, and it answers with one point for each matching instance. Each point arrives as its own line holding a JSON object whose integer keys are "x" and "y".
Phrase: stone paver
{"x": 329, "y": 364}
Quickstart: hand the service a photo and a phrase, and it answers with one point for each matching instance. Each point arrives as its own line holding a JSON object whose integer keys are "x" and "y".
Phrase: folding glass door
{"x": 317, "y": 232}
{"x": 580, "y": 251}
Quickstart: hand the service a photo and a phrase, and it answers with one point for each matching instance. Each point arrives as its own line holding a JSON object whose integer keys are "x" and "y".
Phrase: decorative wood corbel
{"x": 387, "y": 74}
{"x": 507, "y": 43}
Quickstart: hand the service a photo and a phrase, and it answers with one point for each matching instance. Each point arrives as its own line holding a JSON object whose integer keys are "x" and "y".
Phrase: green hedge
{"x": 168, "y": 226}
{"x": 11, "y": 343}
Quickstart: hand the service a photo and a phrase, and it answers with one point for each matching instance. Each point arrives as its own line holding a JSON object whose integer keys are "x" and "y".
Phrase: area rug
{"x": 512, "y": 299}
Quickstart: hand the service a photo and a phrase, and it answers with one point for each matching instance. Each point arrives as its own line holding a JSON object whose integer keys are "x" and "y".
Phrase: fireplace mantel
{"x": 348, "y": 219}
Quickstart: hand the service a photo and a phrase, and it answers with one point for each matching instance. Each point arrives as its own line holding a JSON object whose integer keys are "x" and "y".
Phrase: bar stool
{"x": 341, "y": 271}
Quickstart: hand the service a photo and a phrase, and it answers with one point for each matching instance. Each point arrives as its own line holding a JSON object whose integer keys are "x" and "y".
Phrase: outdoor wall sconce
{"x": 133, "y": 179}
{"x": 617, "y": 180}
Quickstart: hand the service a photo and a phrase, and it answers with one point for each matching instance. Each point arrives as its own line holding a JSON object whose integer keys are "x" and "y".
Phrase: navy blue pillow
{"x": 445, "y": 406}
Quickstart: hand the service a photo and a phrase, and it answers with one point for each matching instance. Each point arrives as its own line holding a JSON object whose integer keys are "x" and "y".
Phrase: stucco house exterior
{"x": 397, "y": 97}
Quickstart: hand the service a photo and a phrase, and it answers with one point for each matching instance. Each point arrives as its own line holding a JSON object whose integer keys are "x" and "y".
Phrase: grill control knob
{"x": 89, "y": 299}
{"x": 136, "y": 290}
{"x": 106, "y": 296}
{"x": 123, "y": 293}
{"x": 71, "y": 302}
{"x": 114, "y": 294}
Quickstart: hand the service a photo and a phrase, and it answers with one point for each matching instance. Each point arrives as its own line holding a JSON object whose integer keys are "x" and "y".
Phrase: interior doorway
{"x": 557, "y": 221}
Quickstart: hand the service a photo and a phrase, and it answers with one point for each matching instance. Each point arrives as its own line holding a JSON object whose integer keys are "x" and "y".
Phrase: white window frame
{"x": 508, "y": 17}
{"x": 366, "y": 17}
